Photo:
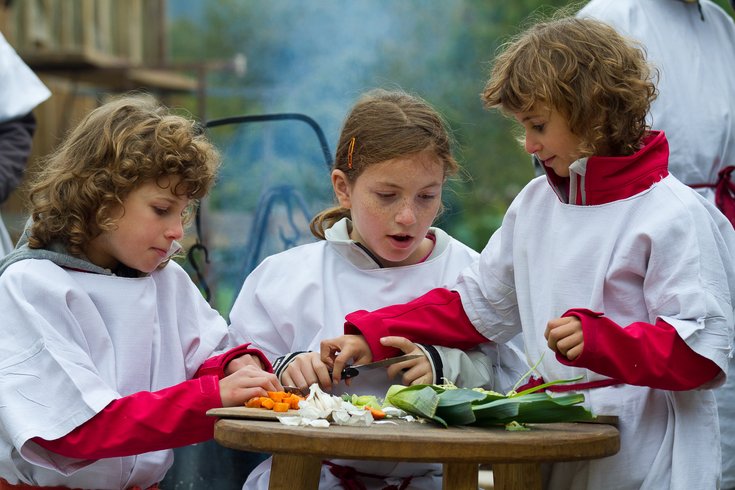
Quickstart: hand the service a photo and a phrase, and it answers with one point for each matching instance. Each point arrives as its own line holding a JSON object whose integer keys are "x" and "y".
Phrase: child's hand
{"x": 242, "y": 361}
{"x": 306, "y": 369}
{"x": 246, "y": 383}
{"x": 414, "y": 371}
{"x": 564, "y": 336}
{"x": 339, "y": 351}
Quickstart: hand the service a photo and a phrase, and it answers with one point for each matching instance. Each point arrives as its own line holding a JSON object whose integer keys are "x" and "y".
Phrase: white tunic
{"x": 696, "y": 101}
{"x": 75, "y": 341}
{"x": 21, "y": 92}
{"x": 696, "y": 108}
{"x": 21, "y": 88}
{"x": 663, "y": 253}
{"x": 297, "y": 298}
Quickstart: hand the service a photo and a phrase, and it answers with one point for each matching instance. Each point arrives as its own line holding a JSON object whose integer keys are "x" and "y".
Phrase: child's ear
{"x": 341, "y": 188}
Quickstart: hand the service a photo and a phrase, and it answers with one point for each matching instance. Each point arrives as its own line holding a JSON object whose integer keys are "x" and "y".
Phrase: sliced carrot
{"x": 290, "y": 400}
{"x": 281, "y": 407}
{"x": 253, "y": 402}
{"x": 294, "y": 401}
{"x": 377, "y": 414}
{"x": 277, "y": 396}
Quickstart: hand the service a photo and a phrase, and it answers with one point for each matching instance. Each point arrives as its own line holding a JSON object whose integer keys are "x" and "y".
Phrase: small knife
{"x": 352, "y": 371}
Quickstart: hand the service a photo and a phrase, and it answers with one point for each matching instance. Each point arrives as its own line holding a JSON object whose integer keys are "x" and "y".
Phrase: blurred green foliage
{"x": 316, "y": 57}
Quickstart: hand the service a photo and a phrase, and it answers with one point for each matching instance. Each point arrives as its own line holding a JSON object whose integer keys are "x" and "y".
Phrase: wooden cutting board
{"x": 248, "y": 413}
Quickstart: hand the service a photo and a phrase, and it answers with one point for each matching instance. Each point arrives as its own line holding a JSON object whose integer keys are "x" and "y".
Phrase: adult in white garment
{"x": 692, "y": 44}
{"x": 611, "y": 268}
{"x": 376, "y": 247}
{"x": 110, "y": 355}
{"x": 21, "y": 92}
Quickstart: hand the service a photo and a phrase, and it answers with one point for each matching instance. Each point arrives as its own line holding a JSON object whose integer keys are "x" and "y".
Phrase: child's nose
{"x": 531, "y": 145}
{"x": 175, "y": 230}
{"x": 406, "y": 215}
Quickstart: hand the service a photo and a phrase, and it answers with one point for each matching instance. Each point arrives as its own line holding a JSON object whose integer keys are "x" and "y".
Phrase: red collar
{"x": 609, "y": 179}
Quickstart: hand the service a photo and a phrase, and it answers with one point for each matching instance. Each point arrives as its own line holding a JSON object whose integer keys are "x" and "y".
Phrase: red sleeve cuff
{"x": 143, "y": 422}
{"x": 641, "y": 353}
{"x": 216, "y": 365}
{"x": 362, "y": 322}
{"x": 436, "y": 318}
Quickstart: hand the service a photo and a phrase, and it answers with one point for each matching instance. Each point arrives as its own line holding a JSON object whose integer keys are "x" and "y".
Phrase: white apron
{"x": 20, "y": 92}
{"x": 554, "y": 256}
{"x": 21, "y": 88}
{"x": 75, "y": 341}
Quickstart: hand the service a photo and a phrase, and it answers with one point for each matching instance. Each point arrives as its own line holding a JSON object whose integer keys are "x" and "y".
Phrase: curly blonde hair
{"x": 597, "y": 79}
{"x": 117, "y": 147}
{"x": 386, "y": 124}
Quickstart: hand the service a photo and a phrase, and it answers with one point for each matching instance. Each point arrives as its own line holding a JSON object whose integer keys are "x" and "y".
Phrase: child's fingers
{"x": 321, "y": 372}
{"x": 293, "y": 377}
{"x": 329, "y": 348}
{"x": 575, "y": 351}
{"x": 402, "y": 343}
{"x": 419, "y": 374}
{"x": 246, "y": 383}
{"x": 340, "y": 361}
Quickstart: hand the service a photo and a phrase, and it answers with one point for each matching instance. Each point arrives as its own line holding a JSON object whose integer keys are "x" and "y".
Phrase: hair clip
{"x": 349, "y": 153}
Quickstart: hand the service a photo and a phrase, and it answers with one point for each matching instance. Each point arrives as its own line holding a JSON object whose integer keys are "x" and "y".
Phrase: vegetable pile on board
{"x": 448, "y": 405}
{"x": 321, "y": 409}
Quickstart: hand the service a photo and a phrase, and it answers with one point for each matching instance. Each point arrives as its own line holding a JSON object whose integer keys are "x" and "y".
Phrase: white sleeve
{"x": 22, "y": 89}
{"x": 487, "y": 286}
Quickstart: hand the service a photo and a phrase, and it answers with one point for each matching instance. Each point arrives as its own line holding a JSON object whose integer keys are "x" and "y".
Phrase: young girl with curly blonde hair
{"x": 110, "y": 355}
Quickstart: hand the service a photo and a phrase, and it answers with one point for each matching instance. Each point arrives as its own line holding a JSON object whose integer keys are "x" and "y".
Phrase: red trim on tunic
{"x": 431, "y": 237}
{"x": 436, "y": 318}
{"x": 609, "y": 179}
{"x": 144, "y": 421}
{"x": 216, "y": 365}
{"x": 654, "y": 354}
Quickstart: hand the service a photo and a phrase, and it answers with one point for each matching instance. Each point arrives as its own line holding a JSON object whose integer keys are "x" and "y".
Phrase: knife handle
{"x": 349, "y": 372}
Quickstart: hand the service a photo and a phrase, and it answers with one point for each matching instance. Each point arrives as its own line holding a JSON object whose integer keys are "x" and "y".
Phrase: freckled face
{"x": 549, "y": 138}
{"x": 393, "y": 204}
{"x": 149, "y": 220}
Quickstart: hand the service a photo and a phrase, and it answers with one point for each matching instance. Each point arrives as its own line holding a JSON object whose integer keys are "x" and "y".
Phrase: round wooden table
{"x": 516, "y": 457}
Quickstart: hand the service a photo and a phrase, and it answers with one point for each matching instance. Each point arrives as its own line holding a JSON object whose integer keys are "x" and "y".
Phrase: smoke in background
{"x": 316, "y": 57}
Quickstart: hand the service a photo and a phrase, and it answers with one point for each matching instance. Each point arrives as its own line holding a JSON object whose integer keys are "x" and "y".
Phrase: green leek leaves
{"x": 448, "y": 405}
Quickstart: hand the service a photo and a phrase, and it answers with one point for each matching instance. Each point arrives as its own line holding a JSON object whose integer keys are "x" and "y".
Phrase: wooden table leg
{"x": 295, "y": 472}
{"x": 526, "y": 476}
{"x": 460, "y": 476}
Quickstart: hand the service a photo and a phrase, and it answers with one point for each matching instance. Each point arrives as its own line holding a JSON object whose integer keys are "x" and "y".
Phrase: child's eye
{"x": 160, "y": 211}
{"x": 427, "y": 197}
{"x": 538, "y": 127}
{"x": 385, "y": 195}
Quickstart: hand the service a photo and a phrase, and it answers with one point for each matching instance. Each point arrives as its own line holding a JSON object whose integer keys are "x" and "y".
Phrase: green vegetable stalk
{"x": 449, "y": 405}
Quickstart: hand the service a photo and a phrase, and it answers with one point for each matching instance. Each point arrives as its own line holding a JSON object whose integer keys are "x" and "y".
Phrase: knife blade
{"x": 354, "y": 370}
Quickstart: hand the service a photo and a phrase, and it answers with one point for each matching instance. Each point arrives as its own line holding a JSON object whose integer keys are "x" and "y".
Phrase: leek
{"x": 449, "y": 405}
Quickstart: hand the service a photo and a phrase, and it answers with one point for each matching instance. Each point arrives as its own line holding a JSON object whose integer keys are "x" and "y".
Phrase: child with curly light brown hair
{"x": 110, "y": 355}
{"x": 614, "y": 272}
